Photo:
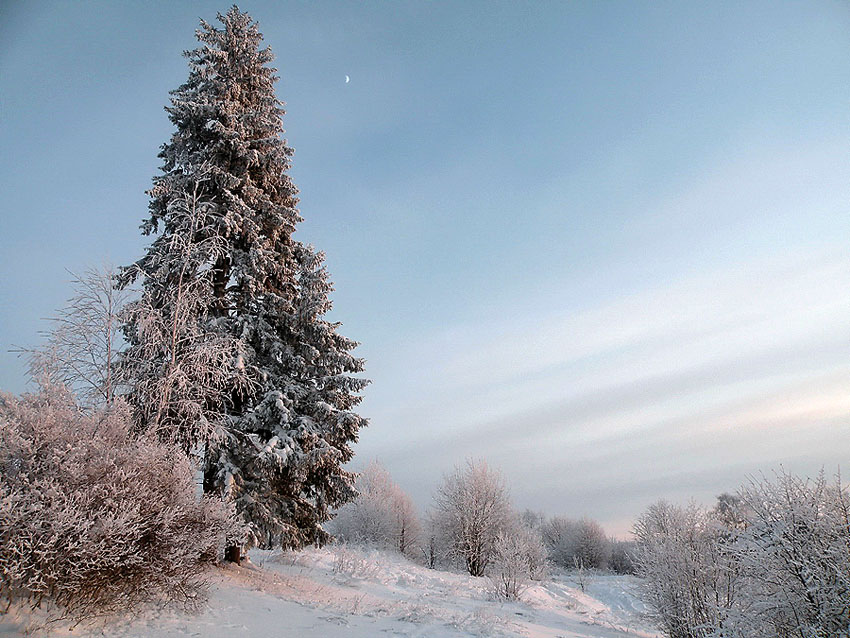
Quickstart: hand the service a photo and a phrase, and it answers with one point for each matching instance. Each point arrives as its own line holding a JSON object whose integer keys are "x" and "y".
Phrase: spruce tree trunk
{"x": 233, "y": 554}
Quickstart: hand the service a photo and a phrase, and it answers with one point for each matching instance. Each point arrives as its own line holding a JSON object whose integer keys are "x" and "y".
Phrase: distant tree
{"x": 290, "y": 387}
{"x": 557, "y": 533}
{"x": 591, "y": 545}
{"x": 472, "y": 508}
{"x": 382, "y": 515}
{"x": 622, "y": 552}
{"x": 731, "y": 512}
{"x": 532, "y": 519}
{"x": 572, "y": 542}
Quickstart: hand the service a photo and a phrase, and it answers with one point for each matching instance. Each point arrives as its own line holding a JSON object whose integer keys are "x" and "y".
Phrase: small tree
{"x": 431, "y": 545}
{"x": 472, "y": 508}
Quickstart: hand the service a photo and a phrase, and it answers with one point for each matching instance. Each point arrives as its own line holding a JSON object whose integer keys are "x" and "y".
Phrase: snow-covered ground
{"x": 357, "y": 593}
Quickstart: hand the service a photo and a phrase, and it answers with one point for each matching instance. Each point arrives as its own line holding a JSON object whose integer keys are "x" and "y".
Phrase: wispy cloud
{"x": 745, "y": 366}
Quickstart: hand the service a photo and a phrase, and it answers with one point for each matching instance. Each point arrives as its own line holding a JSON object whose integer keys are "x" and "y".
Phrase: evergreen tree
{"x": 288, "y": 403}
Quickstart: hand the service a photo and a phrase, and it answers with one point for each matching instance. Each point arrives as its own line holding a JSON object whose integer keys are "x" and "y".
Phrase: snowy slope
{"x": 358, "y": 594}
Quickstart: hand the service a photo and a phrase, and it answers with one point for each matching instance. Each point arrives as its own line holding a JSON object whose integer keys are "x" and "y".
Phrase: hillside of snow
{"x": 357, "y": 593}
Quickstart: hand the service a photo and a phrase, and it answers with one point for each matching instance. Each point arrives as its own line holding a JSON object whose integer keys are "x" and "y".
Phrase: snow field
{"x": 361, "y": 593}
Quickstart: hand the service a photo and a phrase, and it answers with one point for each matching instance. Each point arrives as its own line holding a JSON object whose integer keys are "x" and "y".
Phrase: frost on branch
{"x": 185, "y": 372}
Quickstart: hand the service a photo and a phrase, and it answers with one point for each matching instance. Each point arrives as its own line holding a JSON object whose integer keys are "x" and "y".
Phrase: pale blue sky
{"x": 603, "y": 244}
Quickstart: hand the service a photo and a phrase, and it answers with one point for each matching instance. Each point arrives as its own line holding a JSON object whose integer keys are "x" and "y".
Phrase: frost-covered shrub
{"x": 518, "y": 557}
{"x": 353, "y": 562}
{"x": 771, "y": 562}
{"x": 382, "y": 515}
{"x": 794, "y": 554}
{"x": 92, "y": 518}
{"x": 622, "y": 561}
{"x": 688, "y": 570}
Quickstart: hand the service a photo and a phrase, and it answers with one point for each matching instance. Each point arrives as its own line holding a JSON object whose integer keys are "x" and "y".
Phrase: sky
{"x": 602, "y": 245}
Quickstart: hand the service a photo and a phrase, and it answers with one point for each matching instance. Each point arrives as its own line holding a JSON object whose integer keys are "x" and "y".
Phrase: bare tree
{"x": 81, "y": 349}
{"x": 581, "y": 573}
{"x": 431, "y": 544}
{"x": 472, "y": 508}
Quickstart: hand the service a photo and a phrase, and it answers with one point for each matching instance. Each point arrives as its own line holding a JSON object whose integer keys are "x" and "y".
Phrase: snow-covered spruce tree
{"x": 289, "y": 424}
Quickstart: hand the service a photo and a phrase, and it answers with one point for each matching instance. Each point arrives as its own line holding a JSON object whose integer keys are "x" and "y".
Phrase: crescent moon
{"x": 347, "y": 79}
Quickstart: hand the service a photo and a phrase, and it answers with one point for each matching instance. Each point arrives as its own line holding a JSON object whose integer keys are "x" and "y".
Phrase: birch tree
{"x": 81, "y": 348}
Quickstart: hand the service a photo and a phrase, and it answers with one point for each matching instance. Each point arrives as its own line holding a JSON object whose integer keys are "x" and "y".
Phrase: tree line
{"x": 473, "y": 525}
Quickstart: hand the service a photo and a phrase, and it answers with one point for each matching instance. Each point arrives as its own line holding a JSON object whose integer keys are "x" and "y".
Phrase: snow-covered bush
{"x": 94, "y": 519}
{"x": 688, "y": 570}
{"x": 621, "y": 557}
{"x": 471, "y": 509}
{"x": 518, "y": 557}
{"x": 770, "y": 562}
{"x": 383, "y": 515}
{"x": 794, "y": 554}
